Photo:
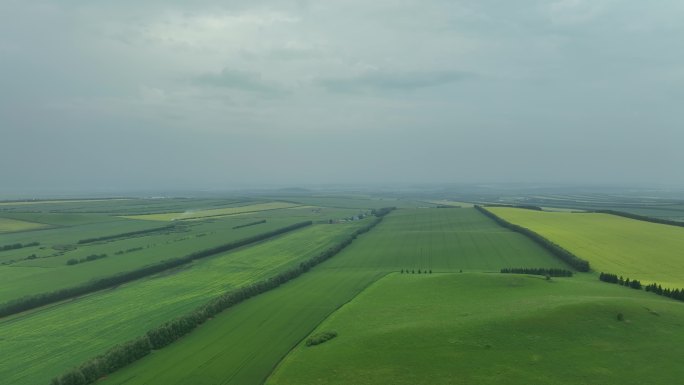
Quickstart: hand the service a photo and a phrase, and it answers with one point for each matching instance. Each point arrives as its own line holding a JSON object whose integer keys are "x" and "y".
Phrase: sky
{"x": 98, "y": 95}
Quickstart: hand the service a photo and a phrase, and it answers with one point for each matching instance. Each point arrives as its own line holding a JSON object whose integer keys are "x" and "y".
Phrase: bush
{"x": 320, "y": 338}
{"x": 72, "y": 261}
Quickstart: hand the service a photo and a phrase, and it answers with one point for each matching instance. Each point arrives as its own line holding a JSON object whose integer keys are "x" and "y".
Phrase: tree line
{"x": 641, "y": 217}
{"x": 160, "y": 336}
{"x": 613, "y": 278}
{"x": 526, "y": 207}
{"x": 551, "y": 272}
{"x": 15, "y": 246}
{"x": 91, "y": 257}
{"x": 249, "y": 224}
{"x": 125, "y": 235}
{"x": 566, "y": 256}
{"x": 677, "y": 294}
{"x": 34, "y": 301}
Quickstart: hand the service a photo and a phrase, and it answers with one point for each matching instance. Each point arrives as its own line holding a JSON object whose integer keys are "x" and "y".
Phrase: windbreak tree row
{"x": 566, "y": 256}
{"x": 551, "y": 272}
{"x": 171, "y": 331}
{"x": 641, "y": 217}
{"x": 656, "y": 288}
{"x": 126, "y": 235}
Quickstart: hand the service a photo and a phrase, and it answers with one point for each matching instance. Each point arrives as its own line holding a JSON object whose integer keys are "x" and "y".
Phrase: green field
{"x": 494, "y": 329}
{"x": 50, "y": 340}
{"x": 49, "y": 271}
{"x": 636, "y": 249}
{"x": 242, "y": 345}
{"x": 9, "y": 225}
{"x": 445, "y": 240}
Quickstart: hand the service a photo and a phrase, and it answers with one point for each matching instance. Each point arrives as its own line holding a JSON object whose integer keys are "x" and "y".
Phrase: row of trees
{"x": 551, "y": 272}
{"x": 613, "y": 278}
{"x": 34, "y": 301}
{"x": 413, "y": 271}
{"x": 568, "y": 257}
{"x": 249, "y": 224}
{"x": 641, "y": 217}
{"x": 677, "y": 294}
{"x": 169, "y": 332}
{"x": 527, "y": 207}
{"x": 91, "y": 257}
{"x": 126, "y": 235}
{"x": 15, "y": 246}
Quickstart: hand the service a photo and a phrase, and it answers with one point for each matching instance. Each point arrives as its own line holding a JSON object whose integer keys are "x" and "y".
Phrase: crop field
{"x": 50, "y": 340}
{"x": 493, "y": 329}
{"x": 458, "y": 321}
{"x": 446, "y": 240}
{"x": 272, "y": 323}
{"x": 189, "y": 215}
{"x": 50, "y": 271}
{"x": 646, "y": 251}
{"x": 9, "y": 225}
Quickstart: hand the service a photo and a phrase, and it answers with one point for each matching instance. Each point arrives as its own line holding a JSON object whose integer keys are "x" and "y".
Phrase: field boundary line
{"x": 366, "y": 287}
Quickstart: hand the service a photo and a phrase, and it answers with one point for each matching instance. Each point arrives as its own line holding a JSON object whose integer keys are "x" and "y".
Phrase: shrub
{"x": 320, "y": 338}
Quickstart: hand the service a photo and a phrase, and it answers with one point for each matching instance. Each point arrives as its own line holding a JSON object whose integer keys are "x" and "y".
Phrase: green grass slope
{"x": 46, "y": 342}
{"x": 243, "y": 344}
{"x": 494, "y": 329}
{"x": 646, "y": 251}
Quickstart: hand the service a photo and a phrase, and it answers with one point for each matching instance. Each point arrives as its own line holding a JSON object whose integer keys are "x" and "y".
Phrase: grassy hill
{"x": 494, "y": 329}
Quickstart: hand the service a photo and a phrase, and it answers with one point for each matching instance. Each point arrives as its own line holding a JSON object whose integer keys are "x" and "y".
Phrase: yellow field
{"x": 199, "y": 214}
{"x": 646, "y": 251}
{"x": 8, "y": 225}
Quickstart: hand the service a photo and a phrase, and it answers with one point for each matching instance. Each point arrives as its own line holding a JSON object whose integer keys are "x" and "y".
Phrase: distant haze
{"x": 222, "y": 94}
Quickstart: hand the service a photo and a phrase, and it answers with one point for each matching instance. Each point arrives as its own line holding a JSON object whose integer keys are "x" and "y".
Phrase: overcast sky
{"x": 223, "y": 94}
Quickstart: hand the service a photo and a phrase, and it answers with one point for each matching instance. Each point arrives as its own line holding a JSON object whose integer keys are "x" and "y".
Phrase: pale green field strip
{"x": 8, "y": 225}
{"x": 35, "y": 276}
{"x": 214, "y": 212}
{"x": 47, "y": 342}
{"x": 646, "y": 251}
{"x": 476, "y": 329}
{"x": 243, "y": 344}
{"x": 21, "y": 203}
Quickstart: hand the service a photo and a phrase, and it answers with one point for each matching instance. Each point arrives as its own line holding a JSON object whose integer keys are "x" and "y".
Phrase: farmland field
{"x": 9, "y": 225}
{"x": 189, "y": 215}
{"x": 493, "y": 329}
{"x": 636, "y": 249}
{"x": 65, "y": 335}
{"x": 462, "y": 299}
{"x": 272, "y": 323}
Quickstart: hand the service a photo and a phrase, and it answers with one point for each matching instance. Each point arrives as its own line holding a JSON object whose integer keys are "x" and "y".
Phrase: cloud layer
{"x": 175, "y": 94}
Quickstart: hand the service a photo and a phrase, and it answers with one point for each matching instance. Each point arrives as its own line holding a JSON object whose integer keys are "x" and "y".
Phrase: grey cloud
{"x": 238, "y": 80}
{"x": 378, "y": 81}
